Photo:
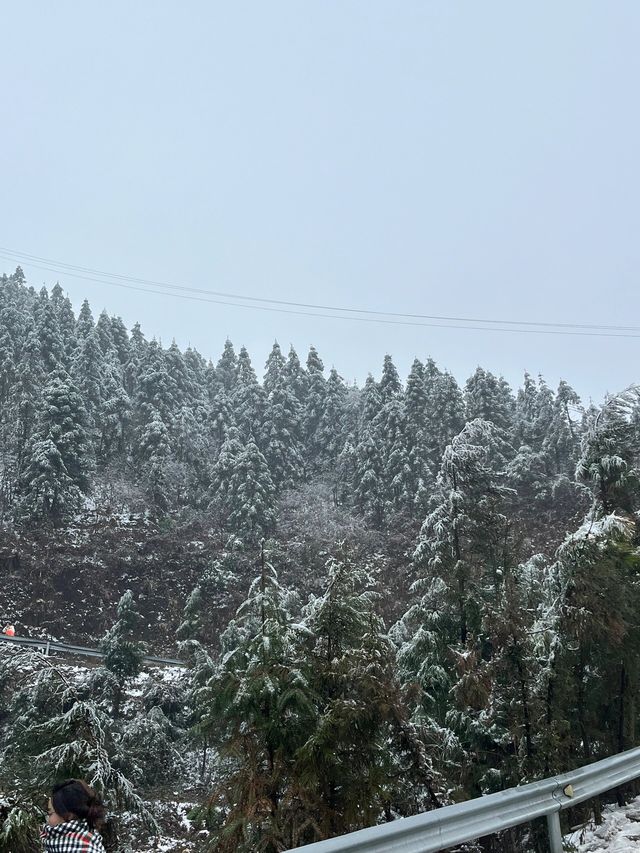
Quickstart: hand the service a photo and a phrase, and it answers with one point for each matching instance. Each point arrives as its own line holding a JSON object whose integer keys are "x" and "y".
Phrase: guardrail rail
{"x": 48, "y": 646}
{"x": 442, "y": 828}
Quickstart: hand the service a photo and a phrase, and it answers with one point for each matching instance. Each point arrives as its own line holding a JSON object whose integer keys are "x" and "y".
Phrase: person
{"x": 76, "y": 813}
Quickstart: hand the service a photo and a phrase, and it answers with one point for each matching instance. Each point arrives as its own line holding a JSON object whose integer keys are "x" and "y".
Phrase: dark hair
{"x": 74, "y": 798}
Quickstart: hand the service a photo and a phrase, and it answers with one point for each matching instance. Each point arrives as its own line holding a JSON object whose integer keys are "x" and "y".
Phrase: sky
{"x": 443, "y": 158}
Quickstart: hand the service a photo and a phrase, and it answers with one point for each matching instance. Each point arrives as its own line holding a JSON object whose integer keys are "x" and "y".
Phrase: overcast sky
{"x": 473, "y": 159}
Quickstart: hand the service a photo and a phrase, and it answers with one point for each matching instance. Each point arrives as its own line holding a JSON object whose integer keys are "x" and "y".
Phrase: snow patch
{"x": 619, "y": 832}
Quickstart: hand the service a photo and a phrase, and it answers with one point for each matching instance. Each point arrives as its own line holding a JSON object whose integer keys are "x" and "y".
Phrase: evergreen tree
{"x": 123, "y": 653}
{"x": 316, "y": 392}
{"x": 252, "y": 509}
{"x": 416, "y": 426}
{"x": 296, "y": 377}
{"x": 258, "y": 715}
{"x": 116, "y": 415}
{"x": 280, "y": 436}
{"x": 154, "y": 449}
{"x": 220, "y": 419}
{"x": 88, "y": 372}
{"x": 489, "y": 398}
{"x": 84, "y": 323}
{"x": 120, "y": 339}
{"x": 330, "y": 433}
{"x": 369, "y": 486}
{"x": 594, "y": 682}
{"x": 390, "y": 385}
{"x": 57, "y": 461}
{"x": 370, "y": 401}
{"x": 446, "y": 413}
{"x": 223, "y": 477}
{"x": 48, "y": 332}
{"x": 57, "y": 732}
{"x": 364, "y": 759}
{"x": 66, "y": 321}
{"x": 397, "y": 471}
{"x": 562, "y": 442}
{"x": 26, "y": 394}
{"x": 248, "y": 401}
{"x": 463, "y": 540}
{"x": 227, "y": 368}
{"x": 104, "y": 333}
{"x": 133, "y": 366}
{"x": 243, "y": 489}
{"x": 274, "y": 369}
{"x": 609, "y": 460}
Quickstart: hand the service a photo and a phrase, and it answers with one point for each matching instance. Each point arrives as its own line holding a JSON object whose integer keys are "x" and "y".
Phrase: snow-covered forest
{"x": 389, "y": 598}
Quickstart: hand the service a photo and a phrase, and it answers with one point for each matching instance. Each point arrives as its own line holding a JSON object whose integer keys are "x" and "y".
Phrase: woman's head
{"x": 75, "y": 800}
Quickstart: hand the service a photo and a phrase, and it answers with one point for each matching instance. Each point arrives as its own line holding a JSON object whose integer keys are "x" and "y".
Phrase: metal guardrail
{"x": 451, "y": 825}
{"x": 50, "y": 646}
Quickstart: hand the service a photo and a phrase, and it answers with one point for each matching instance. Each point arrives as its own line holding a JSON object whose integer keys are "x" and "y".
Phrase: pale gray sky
{"x": 476, "y": 159}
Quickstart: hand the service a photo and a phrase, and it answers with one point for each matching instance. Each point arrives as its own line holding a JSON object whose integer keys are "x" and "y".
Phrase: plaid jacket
{"x": 73, "y": 836}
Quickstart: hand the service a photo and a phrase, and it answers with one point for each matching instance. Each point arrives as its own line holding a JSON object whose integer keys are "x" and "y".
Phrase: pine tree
{"x": 369, "y": 486}
{"x": 120, "y": 339}
{"x": 416, "y": 426}
{"x": 248, "y": 401}
{"x": 463, "y": 539}
{"x": 562, "y": 442}
{"x": 316, "y": 392}
{"x": 274, "y": 369}
{"x": 370, "y": 401}
{"x": 364, "y": 759}
{"x": 242, "y": 488}
{"x": 154, "y": 450}
{"x": 447, "y": 414}
{"x": 257, "y": 717}
{"x": 280, "y": 436}
{"x": 48, "y": 332}
{"x": 57, "y": 731}
{"x": 296, "y": 377}
{"x": 116, "y": 415}
{"x": 227, "y": 368}
{"x": 397, "y": 476}
{"x": 58, "y": 459}
{"x": 489, "y": 398}
{"x": 330, "y": 433}
{"x": 390, "y": 385}
{"x": 84, "y": 323}
{"x": 223, "y": 476}
{"x": 598, "y": 572}
{"x": 66, "y": 321}
{"x": 26, "y": 393}
{"x": 609, "y": 460}
{"x": 123, "y": 653}
{"x": 220, "y": 419}
{"x": 253, "y": 495}
{"x": 133, "y": 366}
{"x": 88, "y": 372}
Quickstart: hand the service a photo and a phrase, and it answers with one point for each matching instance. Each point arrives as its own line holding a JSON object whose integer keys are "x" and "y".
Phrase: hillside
{"x": 389, "y": 597}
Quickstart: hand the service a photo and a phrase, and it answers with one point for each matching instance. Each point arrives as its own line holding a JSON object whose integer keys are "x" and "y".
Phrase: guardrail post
{"x": 555, "y": 832}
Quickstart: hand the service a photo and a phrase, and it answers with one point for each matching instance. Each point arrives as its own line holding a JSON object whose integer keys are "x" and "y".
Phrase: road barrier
{"x": 451, "y": 825}
{"x": 47, "y": 646}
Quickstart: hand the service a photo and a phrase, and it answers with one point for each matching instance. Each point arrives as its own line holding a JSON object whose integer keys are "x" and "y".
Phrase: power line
{"x": 129, "y": 283}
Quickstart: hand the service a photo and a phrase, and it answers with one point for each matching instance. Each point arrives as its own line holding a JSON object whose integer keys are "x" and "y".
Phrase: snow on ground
{"x": 619, "y": 832}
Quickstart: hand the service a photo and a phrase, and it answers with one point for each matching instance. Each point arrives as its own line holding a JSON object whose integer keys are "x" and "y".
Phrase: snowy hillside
{"x": 389, "y": 598}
